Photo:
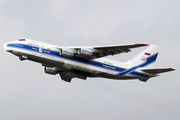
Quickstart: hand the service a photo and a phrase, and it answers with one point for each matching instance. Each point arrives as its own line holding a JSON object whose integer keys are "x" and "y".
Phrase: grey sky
{"x": 26, "y": 92}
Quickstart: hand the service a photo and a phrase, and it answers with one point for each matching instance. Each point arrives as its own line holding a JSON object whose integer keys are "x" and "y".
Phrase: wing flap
{"x": 157, "y": 71}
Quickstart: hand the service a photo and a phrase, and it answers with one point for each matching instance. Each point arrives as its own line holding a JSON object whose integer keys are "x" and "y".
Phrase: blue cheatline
{"x": 91, "y": 62}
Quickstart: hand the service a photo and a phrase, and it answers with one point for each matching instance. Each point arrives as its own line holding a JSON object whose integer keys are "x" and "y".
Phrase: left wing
{"x": 97, "y": 51}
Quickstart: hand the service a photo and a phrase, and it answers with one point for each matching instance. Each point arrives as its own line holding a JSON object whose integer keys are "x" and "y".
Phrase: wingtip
{"x": 172, "y": 68}
{"x": 144, "y": 44}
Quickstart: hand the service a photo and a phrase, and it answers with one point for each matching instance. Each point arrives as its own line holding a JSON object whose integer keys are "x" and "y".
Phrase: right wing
{"x": 93, "y": 52}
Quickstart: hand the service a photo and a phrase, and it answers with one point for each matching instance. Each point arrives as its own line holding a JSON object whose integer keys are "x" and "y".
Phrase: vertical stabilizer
{"x": 146, "y": 58}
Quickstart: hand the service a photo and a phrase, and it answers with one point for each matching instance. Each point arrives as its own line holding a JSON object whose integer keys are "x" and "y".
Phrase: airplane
{"x": 88, "y": 61}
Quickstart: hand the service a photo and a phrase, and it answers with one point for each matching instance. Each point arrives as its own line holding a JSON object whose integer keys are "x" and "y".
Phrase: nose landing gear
{"x": 22, "y": 58}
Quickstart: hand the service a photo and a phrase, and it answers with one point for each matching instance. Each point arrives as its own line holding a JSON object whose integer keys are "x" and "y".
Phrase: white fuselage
{"x": 48, "y": 55}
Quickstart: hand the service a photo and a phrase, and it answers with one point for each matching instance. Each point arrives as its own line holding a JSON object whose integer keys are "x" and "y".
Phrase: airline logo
{"x": 148, "y": 54}
{"x": 143, "y": 59}
{"x": 40, "y": 50}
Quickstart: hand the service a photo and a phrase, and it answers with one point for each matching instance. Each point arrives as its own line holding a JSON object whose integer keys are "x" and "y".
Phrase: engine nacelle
{"x": 51, "y": 71}
{"x": 67, "y": 52}
{"x": 86, "y": 52}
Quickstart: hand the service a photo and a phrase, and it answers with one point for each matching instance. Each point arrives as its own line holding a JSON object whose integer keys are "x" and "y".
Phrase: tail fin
{"x": 146, "y": 58}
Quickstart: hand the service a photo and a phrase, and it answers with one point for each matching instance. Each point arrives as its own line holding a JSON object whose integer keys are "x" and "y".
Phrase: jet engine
{"x": 86, "y": 52}
{"x": 51, "y": 71}
{"x": 68, "y": 52}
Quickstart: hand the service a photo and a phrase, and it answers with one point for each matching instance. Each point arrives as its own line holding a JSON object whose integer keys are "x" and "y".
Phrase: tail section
{"x": 144, "y": 61}
{"x": 146, "y": 58}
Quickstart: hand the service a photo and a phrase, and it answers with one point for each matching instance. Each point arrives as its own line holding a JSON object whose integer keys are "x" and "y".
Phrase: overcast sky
{"x": 27, "y": 93}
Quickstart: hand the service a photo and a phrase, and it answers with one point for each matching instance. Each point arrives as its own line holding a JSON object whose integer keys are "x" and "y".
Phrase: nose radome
{"x": 5, "y": 46}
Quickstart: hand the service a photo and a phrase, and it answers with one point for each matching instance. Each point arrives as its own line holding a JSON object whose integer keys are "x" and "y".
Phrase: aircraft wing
{"x": 157, "y": 71}
{"x": 116, "y": 49}
{"x": 98, "y": 51}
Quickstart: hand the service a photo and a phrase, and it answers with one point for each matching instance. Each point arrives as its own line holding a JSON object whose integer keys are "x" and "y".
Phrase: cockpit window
{"x": 22, "y": 39}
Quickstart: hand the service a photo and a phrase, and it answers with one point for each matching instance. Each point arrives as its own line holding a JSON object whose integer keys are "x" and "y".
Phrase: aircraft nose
{"x": 5, "y": 46}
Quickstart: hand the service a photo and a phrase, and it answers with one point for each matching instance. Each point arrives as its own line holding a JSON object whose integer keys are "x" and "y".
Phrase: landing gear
{"x": 22, "y": 58}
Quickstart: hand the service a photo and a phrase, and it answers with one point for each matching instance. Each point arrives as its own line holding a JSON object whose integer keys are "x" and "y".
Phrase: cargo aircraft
{"x": 88, "y": 61}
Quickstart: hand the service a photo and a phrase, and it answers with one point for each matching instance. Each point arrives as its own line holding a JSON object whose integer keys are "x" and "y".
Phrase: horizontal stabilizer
{"x": 157, "y": 71}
